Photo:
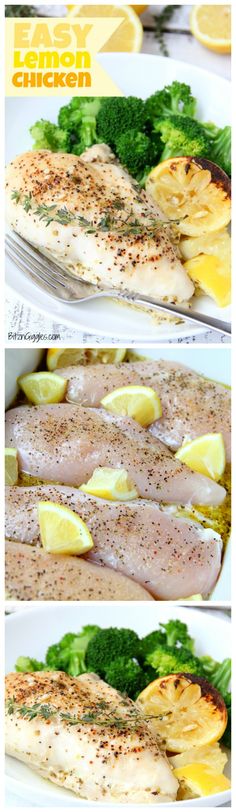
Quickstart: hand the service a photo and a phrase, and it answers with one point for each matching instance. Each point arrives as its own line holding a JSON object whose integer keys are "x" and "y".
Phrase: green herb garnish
{"x": 160, "y": 26}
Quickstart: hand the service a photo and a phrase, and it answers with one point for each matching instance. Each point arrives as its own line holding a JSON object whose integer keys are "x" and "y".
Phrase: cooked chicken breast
{"x": 33, "y": 575}
{"x": 191, "y": 404}
{"x": 95, "y": 758}
{"x": 92, "y": 217}
{"x": 171, "y": 557}
{"x": 65, "y": 443}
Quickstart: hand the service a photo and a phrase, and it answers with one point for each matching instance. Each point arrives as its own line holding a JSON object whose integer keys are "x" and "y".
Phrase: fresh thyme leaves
{"x": 27, "y": 202}
{"x": 16, "y": 195}
{"x": 160, "y": 23}
{"x": 96, "y": 717}
{"x": 110, "y": 221}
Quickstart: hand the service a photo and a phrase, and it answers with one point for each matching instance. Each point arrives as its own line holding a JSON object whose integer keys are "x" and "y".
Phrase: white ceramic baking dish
{"x": 213, "y": 362}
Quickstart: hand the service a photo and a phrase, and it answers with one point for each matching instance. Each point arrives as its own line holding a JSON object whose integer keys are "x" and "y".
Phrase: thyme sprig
{"x": 109, "y": 222}
{"x": 161, "y": 21}
{"x": 106, "y": 720}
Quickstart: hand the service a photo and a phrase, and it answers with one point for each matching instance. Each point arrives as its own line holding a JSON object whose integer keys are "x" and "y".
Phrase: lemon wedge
{"x": 211, "y": 276}
{"x": 205, "y": 455}
{"x": 11, "y": 466}
{"x": 139, "y": 402}
{"x": 43, "y": 387}
{"x": 188, "y": 711}
{"x": 127, "y": 37}
{"x": 201, "y": 780}
{"x": 191, "y": 191}
{"x": 111, "y": 483}
{"x": 62, "y": 531}
{"x": 57, "y": 358}
{"x": 211, "y": 25}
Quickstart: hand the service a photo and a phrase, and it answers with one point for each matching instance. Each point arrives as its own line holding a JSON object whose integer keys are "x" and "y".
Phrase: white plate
{"x": 212, "y": 635}
{"x": 135, "y": 74}
{"x": 212, "y": 364}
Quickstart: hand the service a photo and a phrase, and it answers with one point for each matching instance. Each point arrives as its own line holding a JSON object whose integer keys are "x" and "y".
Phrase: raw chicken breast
{"x": 33, "y": 575}
{"x": 95, "y": 759}
{"x": 171, "y": 557}
{"x": 191, "y": 404}
{"x": 87, "y": 231}
{"x": 65, "y": 443}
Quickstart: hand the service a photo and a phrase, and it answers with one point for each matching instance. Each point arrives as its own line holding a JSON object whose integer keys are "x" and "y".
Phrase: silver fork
{"x": 63, "y": 286}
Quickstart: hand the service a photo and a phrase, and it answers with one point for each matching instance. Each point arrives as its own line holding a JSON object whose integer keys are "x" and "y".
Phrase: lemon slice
{"x": 193, "y": 191}
{"x": 205, "y": 455}
{"x": 211, "y": 25}
{"x": 11, "y": 466}
{"x": 57, "y": 358}
{"x": 62, "y": 531}
{"x": 211, "y": 755}
{"x": 111, "y": 483}
{"x": 139, "y": 402}
{"x": 128, "y": 36}
{"x": 184, "y": 710}
{"x": 201, "y": 780}
{"x": 43, "y": 387}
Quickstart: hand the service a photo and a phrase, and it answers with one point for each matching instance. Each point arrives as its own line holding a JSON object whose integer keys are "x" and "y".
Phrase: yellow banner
{"x": 56, "y": 57}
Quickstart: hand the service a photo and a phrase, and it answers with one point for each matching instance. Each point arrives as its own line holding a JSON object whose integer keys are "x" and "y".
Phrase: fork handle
{"x": 197, "y": 318}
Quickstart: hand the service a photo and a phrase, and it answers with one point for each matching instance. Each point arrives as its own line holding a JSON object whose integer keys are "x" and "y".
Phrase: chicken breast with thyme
{"x": 86, "y": 737}
{"x": 93, "y": 218}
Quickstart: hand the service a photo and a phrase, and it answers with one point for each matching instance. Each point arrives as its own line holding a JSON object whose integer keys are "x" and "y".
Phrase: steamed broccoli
{"x": 71, "y": 115}
{"x": 137, "y": 152}
{"x": 107, "y": 645}
{"x": 221, "y": 149}
{"x": 78, "y": 118}
{"x": 118, "y": 114}
{"x": 48, "y": 136}
{"x": 177, "y": 632}
{"x": 69, "y": 654}
{"x": 182, "y": 136}
{"x": 218, "y": 674}
{"x": 28, "y": 664}
{"x": 149, "y": 643}
{"x": 170, "y": 660}
{"x": 127, "y": 676}
{"x": 174, "y": 99}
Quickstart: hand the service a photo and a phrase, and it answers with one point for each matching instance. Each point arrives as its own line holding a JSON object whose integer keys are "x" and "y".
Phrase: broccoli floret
{"x": 220, "y": 145}
{"x": 137, "y": 152}
{"x": 127, "y": 676}
{"x": 28, "y": 664}
{"x": 177, "y": 632}
{"x": 182, "y": 136}
{"x": 69, "y": 654}
{"x": 173, "y": 99}
{"x": 221, "y": 149}
{"x": 218, "y": 674}
{"x": 170, "y": 660}
{"x": 107, "y": 645}
{"x": 149, "y": 643}
{"x": 78, "y": 118}
{"x": 118, "y": 114}
{"x": 48, "y": 136}
{"x": 71, "y": 115}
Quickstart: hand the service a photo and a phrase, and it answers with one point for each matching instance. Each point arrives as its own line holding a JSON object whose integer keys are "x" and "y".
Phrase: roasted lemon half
{"x": 184, "y": 710}
{"x": 192, "y": 191}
